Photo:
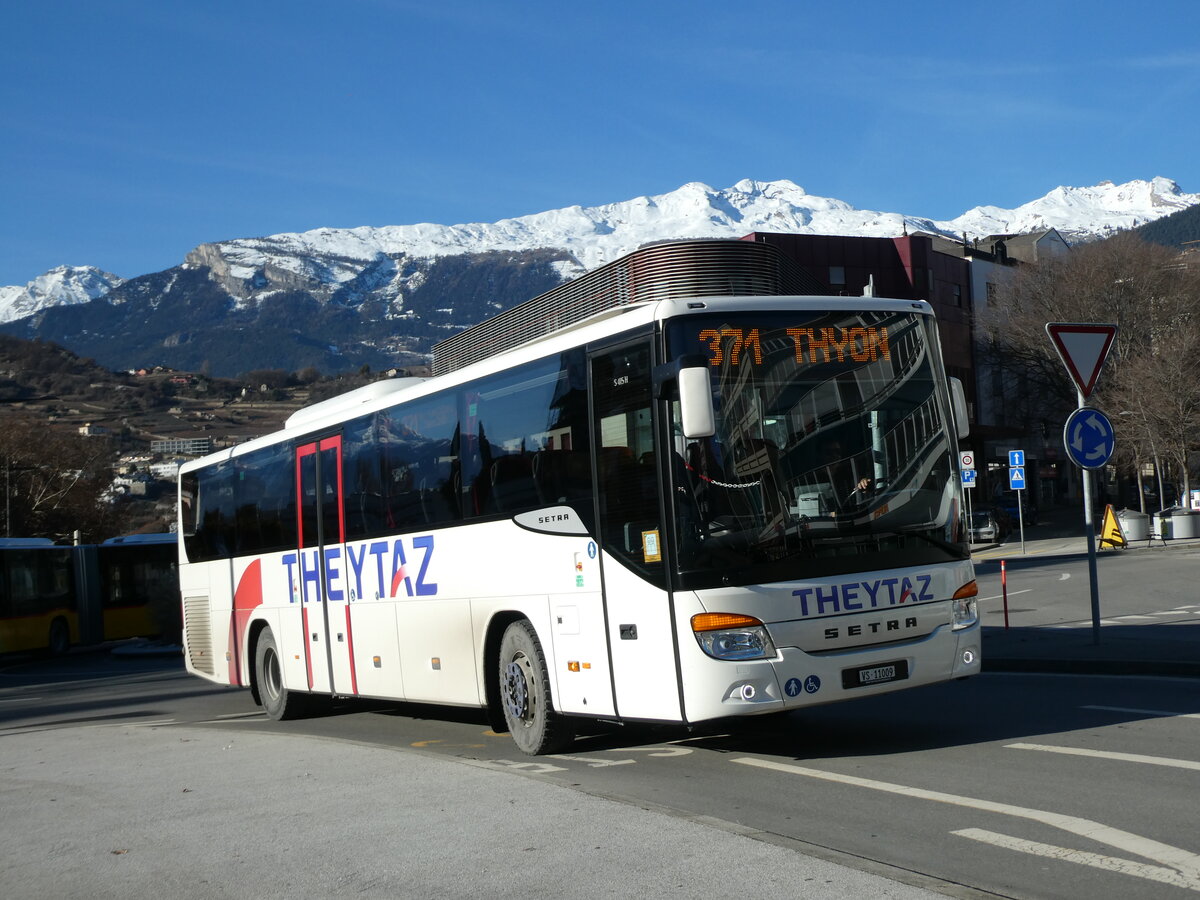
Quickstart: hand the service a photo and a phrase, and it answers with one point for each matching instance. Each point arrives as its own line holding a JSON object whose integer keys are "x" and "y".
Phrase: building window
{"x": 837, "y": 275}
{"x": 958, "y": 295}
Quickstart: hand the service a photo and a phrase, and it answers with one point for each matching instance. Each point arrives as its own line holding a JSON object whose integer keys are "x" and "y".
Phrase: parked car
{"x": 984, "y": 527}
{"x": 1008, "y": 503}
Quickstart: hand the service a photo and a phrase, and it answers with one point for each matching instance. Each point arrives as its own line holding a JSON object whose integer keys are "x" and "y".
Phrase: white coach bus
{"x": 673, "y": 511}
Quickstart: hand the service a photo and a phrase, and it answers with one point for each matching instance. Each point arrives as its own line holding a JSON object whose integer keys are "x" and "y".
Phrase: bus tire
{"x": 278, "y": 702}
{"x": 59, "y": 640}
{"x": 525, "y": 693}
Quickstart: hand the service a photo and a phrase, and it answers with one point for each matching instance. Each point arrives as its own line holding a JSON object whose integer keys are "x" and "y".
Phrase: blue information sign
{"x": 1089, "y": 438}
{"x": 968, "y": 478}
{"x": 1016, "y": 458}
{"x": 1016, "y": 478}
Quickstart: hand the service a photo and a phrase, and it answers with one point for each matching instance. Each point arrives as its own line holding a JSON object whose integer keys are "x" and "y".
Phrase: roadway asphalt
{"x": 131, "y": 811}
{"x": 1123, "y": 649}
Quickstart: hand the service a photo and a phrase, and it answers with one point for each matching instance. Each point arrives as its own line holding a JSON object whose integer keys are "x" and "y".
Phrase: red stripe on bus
{"x": 350, "y": 648}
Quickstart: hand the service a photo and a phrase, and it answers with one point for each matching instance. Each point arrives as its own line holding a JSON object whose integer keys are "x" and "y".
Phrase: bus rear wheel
{"x": 59, "y": 641}
{"x": 278, "y": 702}
{"x": 525, "y": 693}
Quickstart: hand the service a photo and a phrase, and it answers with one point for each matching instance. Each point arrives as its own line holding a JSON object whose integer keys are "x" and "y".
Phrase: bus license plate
{"x": 875, "y": 674}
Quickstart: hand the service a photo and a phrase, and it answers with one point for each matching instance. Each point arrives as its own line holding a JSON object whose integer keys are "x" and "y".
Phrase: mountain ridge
{"x": 339, "y": 299}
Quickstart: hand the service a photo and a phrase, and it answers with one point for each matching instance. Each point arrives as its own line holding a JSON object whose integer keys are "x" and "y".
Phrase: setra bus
{"x": 672, "y": 511}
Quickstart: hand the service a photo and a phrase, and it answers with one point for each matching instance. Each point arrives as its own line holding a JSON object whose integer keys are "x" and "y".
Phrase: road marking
{"x": 1109, "y": 754}
{"x": 1001, "y": 596}
{"x": 657, "y": 751}
{"x": 1109, "y": 863}
{"x": 234, "y": 717}
{"x": 1064, "y": 576}
{"x": 593, "y": 763}
{"x": 530, "y": 767}
{"x": 132, "y": 724}
{"x": 1143, "y": 618}
{"x": 1183, "y": 861}
{"x": 1161, "y": 713}
{"x": 21, "y": 700}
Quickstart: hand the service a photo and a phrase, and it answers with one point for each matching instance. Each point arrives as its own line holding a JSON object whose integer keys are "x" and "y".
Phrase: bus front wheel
{"x": 278, "y": 702}
{"x": 525, "y": 693}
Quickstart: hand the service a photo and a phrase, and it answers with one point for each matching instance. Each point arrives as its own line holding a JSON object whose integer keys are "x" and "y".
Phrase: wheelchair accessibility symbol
{"x": 794, "y": 686}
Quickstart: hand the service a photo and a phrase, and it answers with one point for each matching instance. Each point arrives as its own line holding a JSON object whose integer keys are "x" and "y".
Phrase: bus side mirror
{"x": 958, "y": 399}
{"x": 696, "y": 403}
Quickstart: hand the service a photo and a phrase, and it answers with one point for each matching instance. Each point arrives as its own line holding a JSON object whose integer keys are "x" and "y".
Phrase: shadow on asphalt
{"x": 889, "y": 725}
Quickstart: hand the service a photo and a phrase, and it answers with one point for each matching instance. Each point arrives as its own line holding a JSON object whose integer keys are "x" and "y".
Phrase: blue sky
{"x": 133, "y": 130}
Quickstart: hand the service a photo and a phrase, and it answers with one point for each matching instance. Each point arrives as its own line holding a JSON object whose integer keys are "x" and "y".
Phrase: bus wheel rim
{"x": 271, "y": 675}
{"x": 516, "y": 688}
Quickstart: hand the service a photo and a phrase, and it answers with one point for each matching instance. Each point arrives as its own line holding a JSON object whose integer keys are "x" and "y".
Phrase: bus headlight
{"x": 731, "y": 636}
{"x": 964, "y": 608}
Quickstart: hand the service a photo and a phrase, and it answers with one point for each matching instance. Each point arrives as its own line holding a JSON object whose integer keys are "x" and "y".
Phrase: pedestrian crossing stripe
{"x": 1111, "y": 534}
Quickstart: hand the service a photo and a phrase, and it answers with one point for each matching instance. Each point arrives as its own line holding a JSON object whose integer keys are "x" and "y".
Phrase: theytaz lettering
{"x": 863, "y": 595}
{"x": 374, "y": 569}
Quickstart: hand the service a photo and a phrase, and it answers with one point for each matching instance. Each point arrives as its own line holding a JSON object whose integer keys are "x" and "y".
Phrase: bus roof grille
{"x": 671, "y": 270}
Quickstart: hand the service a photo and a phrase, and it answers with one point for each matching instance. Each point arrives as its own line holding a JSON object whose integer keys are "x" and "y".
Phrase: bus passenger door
{"x": 321, "y": 569}
{"x": 637, "y": 605}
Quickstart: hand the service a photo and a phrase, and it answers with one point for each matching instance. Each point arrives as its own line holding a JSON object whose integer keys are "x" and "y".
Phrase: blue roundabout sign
{"x": 1089, "y": 438}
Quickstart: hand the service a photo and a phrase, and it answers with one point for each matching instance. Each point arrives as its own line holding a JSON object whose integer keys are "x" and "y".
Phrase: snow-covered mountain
{"x": 61, "y": 286}
{"x": 251, "y": 268}
{"x": 339, "y": 299}
{"x": 326, "y": 260}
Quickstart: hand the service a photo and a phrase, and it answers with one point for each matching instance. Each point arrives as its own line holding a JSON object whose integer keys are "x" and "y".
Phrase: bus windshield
{"x": 832, "y": 453}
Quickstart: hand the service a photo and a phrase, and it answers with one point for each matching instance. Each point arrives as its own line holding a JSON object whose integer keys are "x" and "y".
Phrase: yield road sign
{"x": 1089, "y": 438}
{"x": 1016, "y": 478}
{"x": 1082, "y": 347}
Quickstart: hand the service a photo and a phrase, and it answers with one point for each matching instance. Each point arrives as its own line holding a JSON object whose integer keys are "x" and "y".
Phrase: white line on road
{"x": 21, "y": 700}
{"x": 1001, "y": 596}
{"x": 1109, "y": 754}
{"x": 1161, "y": 713}
{"x": 252, "y": 714}
{"x": 593, "y": 763}
{"x": 1109, "y": 863}
{"x": 1064, "y": 576}
{"x": 1184, "y": 861}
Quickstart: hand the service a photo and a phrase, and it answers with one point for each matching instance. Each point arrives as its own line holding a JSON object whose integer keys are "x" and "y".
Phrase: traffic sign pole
{"x": 1089, "y": 529}
{"x": 1083, "y": 348}
{"x": 1016, "y": 482}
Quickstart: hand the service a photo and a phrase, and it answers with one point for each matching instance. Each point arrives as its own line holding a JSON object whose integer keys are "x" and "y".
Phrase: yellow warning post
{"x": 1111, "y": 534}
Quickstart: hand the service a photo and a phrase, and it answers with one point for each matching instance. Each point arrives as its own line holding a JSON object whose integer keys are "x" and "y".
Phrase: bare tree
{"x": 55, "y": 482}
{"x": 1149, "y": 381}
